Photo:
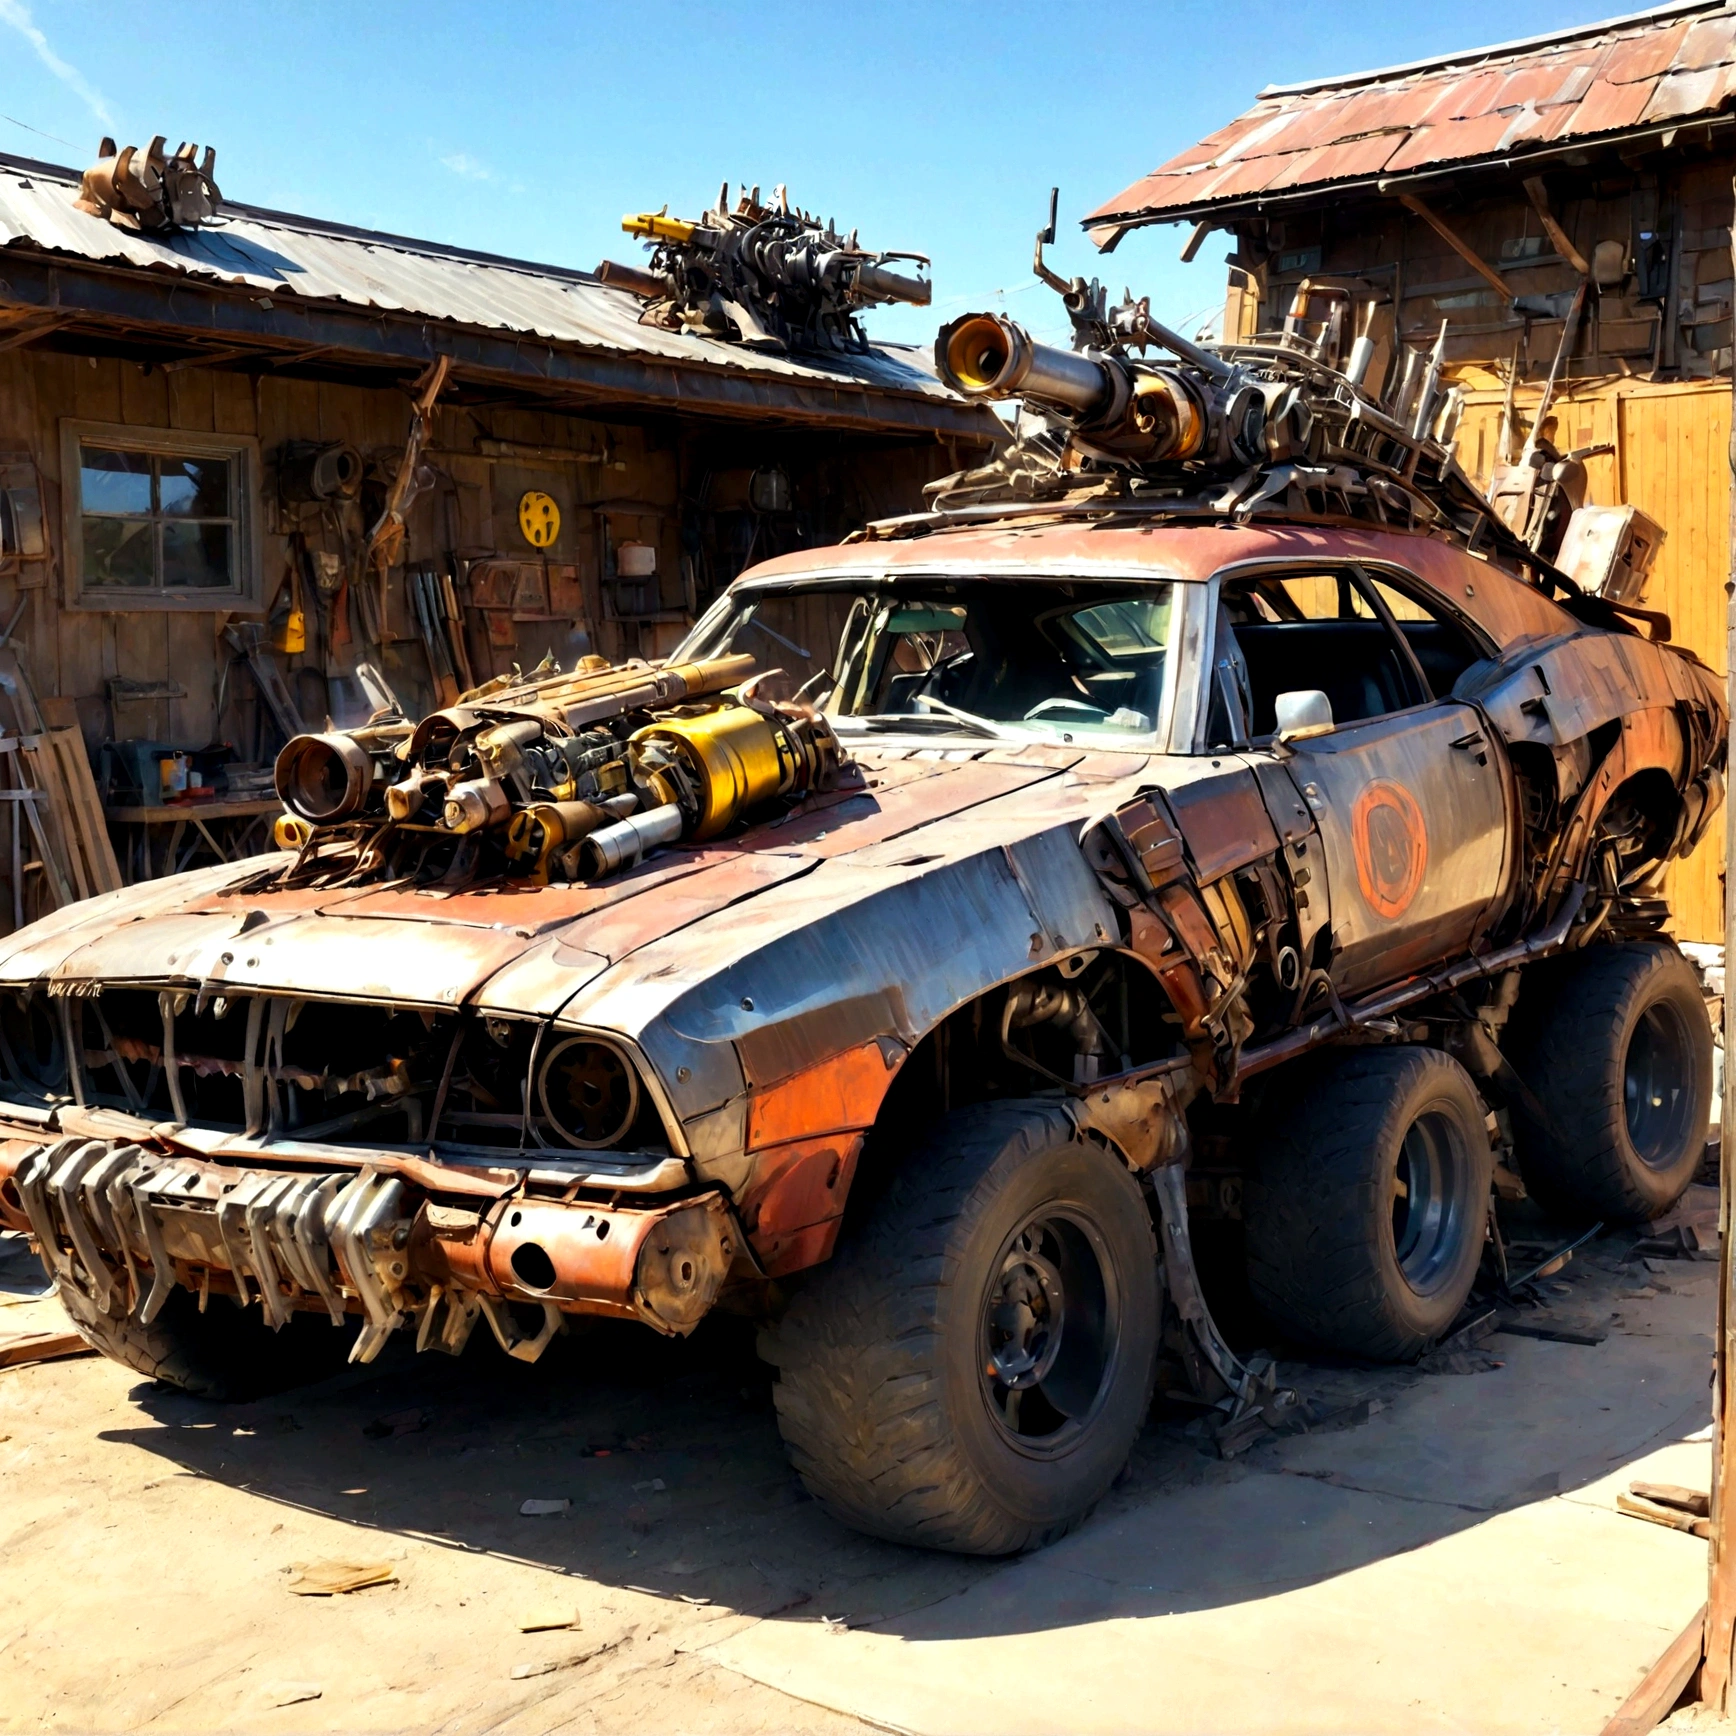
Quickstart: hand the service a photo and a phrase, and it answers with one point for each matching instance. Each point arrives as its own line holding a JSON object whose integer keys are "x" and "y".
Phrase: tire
{"x": 1616, "y": 1046}
{"x": 227, "y": 1353}
{"x": 1367, "y": 1205}
{"x": 885, "y": 1399}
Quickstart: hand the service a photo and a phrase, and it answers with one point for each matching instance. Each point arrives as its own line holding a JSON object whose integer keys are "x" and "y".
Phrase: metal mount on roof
{"x": 148, "y": 191}
{"x": 762, "y": 274}
{"x": 1285, "y": 423}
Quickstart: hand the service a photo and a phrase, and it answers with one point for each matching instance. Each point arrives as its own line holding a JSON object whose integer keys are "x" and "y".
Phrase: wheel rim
{"x": 1047, "y": 1331}
{"x": 1429, "y": 1206}
{"x": 1657, "y": 1080}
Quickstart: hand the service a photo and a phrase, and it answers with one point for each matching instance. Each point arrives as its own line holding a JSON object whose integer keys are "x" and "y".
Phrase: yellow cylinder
{"x": 733, "y": 755}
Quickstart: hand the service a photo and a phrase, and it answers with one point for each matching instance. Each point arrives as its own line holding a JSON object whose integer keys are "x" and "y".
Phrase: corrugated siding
{"x": 283, "y": 256}
{"x": 1672, "y": 461}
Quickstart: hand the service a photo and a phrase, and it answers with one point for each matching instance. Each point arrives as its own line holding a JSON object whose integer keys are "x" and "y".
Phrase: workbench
{"x": 154, "y": 841}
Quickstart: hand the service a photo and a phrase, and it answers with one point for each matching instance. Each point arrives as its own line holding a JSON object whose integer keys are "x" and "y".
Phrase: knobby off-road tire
{"x": 924, "y": 1392}
{"x": 1367, "y": 1206}
{"x": 1616, "y": 1046}
{"x": 226, "y": 1353}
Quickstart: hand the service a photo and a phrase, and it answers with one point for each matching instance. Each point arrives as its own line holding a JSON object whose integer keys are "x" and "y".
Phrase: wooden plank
{"x": 43, "y": 769}
{"x": 1660, "y": 1688}
{"x": 104, "y": 870}
{"x": 41, "y": 1347}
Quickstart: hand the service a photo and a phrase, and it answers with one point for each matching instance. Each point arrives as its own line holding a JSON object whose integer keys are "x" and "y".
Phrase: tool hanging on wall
{"x": 386, "y": 540}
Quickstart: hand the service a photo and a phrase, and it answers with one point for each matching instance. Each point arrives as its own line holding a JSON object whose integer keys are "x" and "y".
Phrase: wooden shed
{"x": 1566, "y": 194}
{"x": 199, "y": 426}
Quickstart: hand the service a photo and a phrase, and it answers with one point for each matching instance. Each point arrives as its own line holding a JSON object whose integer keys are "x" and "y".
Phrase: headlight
{"x": 589, "y": 1092}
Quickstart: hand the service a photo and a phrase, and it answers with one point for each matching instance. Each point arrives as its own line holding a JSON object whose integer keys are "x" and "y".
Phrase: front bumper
{"x": 125, "y": 1221}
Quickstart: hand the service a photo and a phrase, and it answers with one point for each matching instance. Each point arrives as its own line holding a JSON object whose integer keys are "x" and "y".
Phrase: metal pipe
{"x": 876, "y": 282}
{"x": 984, "y": 355}
{"x": 624, "y": 843}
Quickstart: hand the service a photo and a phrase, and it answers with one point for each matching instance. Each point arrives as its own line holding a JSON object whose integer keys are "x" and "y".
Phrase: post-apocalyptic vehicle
{"x": 1212, "y": 808}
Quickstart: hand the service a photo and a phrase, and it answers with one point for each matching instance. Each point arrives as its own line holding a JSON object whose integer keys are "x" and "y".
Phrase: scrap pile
{"x": 150, "y": 190}
{"x": 567, "y": 777}
{"x": 762, "y": 274}
{"x": 1287, "y": 423}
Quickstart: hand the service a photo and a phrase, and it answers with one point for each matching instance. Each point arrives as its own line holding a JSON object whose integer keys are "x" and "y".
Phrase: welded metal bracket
{"x": 506, "y": 1332}
{"x": 1254, "y": 1387}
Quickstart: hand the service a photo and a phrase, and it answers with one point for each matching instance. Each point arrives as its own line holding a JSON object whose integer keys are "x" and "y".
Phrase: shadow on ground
{"x": 669, "y": 1454}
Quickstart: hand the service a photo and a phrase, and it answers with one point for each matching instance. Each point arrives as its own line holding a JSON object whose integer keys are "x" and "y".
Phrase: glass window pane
{"x": 196, "y": 555}
{"x": 115, "y": 481}
{"x": 118, "y": 551}
{"x": 194, "y": 487}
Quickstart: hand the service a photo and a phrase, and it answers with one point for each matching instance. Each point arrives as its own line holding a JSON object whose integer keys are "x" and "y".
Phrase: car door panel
{"x": 1414, "y": 816}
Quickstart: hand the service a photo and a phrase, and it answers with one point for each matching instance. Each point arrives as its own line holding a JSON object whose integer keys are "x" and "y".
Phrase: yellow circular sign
{"x": 539, "y": 518}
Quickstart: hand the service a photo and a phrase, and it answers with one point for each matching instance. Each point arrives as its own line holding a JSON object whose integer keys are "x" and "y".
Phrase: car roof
{"x": 1506, "y": 607}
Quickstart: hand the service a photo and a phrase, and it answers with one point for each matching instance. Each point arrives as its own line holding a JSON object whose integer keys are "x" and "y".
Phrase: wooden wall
{"x": 1648, "y": 368}
{"x": 680, "y": 485}
{"x": 1671, "y": 459}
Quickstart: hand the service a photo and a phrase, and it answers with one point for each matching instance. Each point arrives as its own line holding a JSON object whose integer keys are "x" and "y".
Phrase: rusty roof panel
{"x": 1708, "y": 43}
{"x": 1677, "y": 94}
{"x": 1608, "y": 108}
{"x": 1367, "y": 156}
{"x": 1451, "y": 139}
{"x": 1489, "y": 105}
{"x": 1643, "y": 56}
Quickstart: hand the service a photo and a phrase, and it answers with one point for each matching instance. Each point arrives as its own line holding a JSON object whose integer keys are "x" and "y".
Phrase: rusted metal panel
{"x": 1484, "y": 105}
{"x": 1224, "y": 822}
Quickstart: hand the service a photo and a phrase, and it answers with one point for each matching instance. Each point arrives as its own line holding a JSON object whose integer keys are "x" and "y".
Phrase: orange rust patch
{"x": 838, "y": 1094}
{"x": 1391, "y": 845}
{"x": 798, "y": 1189}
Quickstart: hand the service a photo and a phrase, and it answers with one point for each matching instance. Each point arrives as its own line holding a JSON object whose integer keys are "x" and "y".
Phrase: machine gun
{"x": 1287, "y": 422}
{"x": 762, "y": 274}
{"x": 563, "y": 777}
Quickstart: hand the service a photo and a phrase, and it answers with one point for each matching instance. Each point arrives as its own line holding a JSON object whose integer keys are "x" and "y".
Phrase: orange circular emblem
{"x": 1391, "y": 845}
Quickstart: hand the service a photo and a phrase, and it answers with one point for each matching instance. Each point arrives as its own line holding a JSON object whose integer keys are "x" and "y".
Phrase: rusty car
{"x": 1210, "y": 809}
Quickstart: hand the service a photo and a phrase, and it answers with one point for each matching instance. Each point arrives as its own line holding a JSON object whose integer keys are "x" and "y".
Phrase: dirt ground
{"x": 148, "y": 1541}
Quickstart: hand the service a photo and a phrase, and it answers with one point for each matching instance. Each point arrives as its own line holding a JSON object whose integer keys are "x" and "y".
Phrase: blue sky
{"x": 529, "y": 129}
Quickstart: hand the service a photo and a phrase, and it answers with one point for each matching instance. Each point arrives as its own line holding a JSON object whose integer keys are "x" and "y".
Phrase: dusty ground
{"x": 148, "y": 1541}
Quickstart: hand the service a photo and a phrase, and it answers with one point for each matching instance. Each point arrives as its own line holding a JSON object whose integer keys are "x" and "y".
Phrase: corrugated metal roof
{"x": 281, "y": 255}
{"x": 1649, "y": 70}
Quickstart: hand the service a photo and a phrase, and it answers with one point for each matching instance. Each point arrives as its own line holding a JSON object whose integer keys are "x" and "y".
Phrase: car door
{"x": 1410, "y": 792}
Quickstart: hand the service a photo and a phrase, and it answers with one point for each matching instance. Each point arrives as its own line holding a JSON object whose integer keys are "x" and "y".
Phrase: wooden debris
{"x": 1638, "y": 1508}
{"x": 1554, "y": 1334}
{"x": 1661, "y": 1687}
{"x": 41, "y": 1347}
{"x": 333, "y": 1578}
{"x": 546, "y": 1620}
{"x": 1692, "y": 1501}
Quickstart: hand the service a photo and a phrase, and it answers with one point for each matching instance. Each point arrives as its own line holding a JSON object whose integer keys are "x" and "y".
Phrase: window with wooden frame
{"x": 159, "y": 519}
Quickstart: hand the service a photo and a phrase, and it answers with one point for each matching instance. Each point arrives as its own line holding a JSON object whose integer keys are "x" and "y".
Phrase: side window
{"x": 1315, "y": 628}
{"x": 1443, "y": 646}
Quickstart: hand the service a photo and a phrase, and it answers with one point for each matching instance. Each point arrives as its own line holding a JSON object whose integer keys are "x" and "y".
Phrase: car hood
{"x": 931, "y": 871}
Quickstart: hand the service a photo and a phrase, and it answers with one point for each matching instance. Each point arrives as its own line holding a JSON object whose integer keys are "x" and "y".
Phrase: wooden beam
{"x": 1721, "y": 1572}
{"x": 1661, "y": 1686}
{"x": 1192, "y": 245}
{"x": 1538, "y": 194}
{"x": 1458, "y": 244}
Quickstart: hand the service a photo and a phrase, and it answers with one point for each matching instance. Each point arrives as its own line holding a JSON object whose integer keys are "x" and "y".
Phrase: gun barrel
{"x": 630, "y": 277}
{"x": 984, "y": 355}
{"x": 875, "y": 283}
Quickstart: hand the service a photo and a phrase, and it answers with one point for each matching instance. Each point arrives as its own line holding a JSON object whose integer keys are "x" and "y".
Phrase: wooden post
{"x": 1715, "y": 1676}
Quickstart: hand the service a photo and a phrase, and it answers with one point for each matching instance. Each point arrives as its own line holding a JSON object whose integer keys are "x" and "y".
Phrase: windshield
{"x": 1056, "y": 660}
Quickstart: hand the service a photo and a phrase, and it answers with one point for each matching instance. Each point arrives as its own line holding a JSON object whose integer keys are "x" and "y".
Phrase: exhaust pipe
{"x": 983, "y": 355}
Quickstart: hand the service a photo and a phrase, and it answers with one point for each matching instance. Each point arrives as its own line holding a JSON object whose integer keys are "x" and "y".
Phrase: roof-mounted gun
{"x": 763, "y": 274}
